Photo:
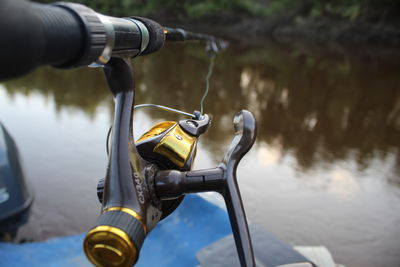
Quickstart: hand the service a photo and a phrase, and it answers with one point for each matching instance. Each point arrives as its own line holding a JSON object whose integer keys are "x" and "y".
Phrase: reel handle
{"x": 245, "y": 135}
{"x": 172, "y": 184}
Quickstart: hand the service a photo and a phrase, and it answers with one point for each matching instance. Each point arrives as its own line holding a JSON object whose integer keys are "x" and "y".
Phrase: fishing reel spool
{"x": 170, "y": 145}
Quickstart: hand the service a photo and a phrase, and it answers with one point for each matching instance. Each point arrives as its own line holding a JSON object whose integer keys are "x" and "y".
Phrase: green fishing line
{"x": 210, "y": 71}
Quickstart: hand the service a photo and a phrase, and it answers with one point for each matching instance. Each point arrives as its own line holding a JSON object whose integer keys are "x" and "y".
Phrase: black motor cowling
{"x": 15, "y": 196}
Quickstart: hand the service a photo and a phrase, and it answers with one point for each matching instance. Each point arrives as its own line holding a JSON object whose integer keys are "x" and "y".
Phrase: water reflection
{"x": 319, "y": 105}
{"x": 83, "y": 88}
{"x": 328, "y": 127}
{"x": 342, "y": 183}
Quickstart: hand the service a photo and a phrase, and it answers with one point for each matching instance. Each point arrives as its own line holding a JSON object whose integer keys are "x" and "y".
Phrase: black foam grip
{"x": 156, "y": 35}
{"x": 21, "y": 46}
{"x": 121, "y": 220}
{"x": 35, "y": 34}
{"x": 92, "y": 31}
{"x": 62, "y": 32}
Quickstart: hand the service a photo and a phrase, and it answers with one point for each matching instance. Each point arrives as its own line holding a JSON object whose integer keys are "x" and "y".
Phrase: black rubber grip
{"x": 93, "y": 34}
{"x": 35, "y": 34}
{"x": 127, "y": 223}
{"x": 65, "y": 35}
{"x": 62, "y": 34}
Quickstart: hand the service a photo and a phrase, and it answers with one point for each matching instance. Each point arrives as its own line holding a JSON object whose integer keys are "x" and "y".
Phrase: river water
{"x": 325, "y": 169}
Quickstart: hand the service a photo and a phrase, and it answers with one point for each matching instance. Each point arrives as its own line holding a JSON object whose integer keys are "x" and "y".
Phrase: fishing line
{"x": 164, "y": 108}
{"x": 210, "y": 71}
{"x": 212, "y": 49}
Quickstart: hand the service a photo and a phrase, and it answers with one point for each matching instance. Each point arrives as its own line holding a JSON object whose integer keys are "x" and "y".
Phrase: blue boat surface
{"x": 174, "y": 242}
{"x": 197, "y": 233}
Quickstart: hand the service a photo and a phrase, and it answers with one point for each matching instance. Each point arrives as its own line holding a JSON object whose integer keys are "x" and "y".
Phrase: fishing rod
{"x": 180, "y": 35}
{"x": 145, "y": 180}
{"x": 70, "y": 35}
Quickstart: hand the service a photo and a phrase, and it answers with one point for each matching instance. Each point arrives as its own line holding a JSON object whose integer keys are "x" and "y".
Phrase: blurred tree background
{"x": 373, "y": 21}
{"x": 340, "y": 9}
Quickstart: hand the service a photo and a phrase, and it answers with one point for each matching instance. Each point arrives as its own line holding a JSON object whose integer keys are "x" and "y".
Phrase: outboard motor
{"x": 15, "y": 196}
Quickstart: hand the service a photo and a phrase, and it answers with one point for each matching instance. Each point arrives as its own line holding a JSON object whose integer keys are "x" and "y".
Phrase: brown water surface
{"x": 325, "y": 169}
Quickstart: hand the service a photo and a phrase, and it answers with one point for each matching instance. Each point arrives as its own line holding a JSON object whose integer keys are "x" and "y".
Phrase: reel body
{"x": 170, "y": 146}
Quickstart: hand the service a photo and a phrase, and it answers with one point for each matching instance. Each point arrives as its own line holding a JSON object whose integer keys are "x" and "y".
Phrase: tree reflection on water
{"x": 321, "y": 105}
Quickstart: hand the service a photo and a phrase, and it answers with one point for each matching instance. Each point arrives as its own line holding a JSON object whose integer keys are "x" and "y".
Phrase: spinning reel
{"x": 146, "y": 180}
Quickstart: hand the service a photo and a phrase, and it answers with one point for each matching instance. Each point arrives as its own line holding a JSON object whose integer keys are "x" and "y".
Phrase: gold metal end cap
{"x": 109, "y": 246}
